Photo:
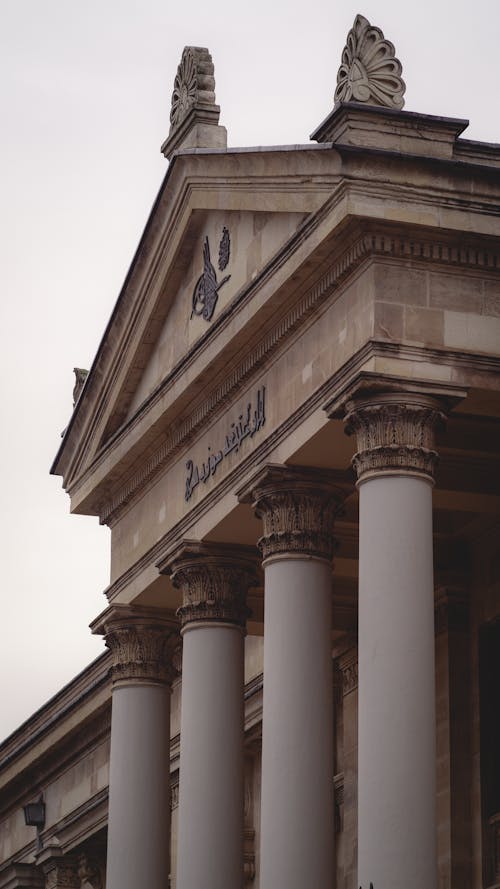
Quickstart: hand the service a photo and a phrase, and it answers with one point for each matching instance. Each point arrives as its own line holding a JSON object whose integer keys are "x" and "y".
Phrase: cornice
{"x": 40, "y": 771}
{"x": 368, "y": 245}
{"x": 88, "y": 682}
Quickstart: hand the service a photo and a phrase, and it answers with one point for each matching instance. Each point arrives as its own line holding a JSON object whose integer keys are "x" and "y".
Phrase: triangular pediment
{"x": 203, "y": 247}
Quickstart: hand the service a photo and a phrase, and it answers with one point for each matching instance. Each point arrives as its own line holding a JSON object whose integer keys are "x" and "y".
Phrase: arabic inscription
{"x": 246, "y": 426}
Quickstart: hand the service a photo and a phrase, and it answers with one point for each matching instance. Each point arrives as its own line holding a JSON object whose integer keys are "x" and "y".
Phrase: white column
{"x": 143, "y": 646}
{"x": 214, "y": 582}
{"x": 397, "y": 734}
{"x": 297, "y": 817}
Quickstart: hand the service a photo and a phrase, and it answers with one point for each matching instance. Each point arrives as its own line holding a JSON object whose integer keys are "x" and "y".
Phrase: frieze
{"x": 244, "y": 427}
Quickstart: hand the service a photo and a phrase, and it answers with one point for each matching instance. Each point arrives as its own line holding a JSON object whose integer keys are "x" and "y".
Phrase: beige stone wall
{"x": 65, "y": 793}
{"x": 454, "y": 309}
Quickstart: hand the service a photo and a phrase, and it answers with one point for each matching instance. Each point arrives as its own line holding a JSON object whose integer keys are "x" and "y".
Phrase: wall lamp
{"x": 34, "y": 814}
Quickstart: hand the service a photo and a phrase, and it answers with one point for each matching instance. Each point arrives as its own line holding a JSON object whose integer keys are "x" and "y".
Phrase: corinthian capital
{"x": 395, "y": 433}
{"x": 143, "y": 643}
{"x": 297, "y": 507}
{"x": 214, "y": 580}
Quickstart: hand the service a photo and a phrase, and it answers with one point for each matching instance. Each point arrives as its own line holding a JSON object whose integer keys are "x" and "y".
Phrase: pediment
{"x": 222, "y": 227}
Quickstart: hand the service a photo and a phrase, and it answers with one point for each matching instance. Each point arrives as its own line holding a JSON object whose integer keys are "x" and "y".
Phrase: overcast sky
{"x": 85, "y": 100}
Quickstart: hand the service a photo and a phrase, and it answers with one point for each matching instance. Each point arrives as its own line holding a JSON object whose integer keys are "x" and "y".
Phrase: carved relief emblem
{"x": 206, "y": 289}
{"x": 184, "y": 94}
{"x": 370, "y": 71}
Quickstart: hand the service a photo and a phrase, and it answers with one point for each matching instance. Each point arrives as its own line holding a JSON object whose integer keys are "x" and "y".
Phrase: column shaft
{"x": 139, "y": 808}
{"x": 297, "y": 746}
{"x": 396, "y": 752}
{"x": 395, "y": 465}
{"x": 210, "y": 839}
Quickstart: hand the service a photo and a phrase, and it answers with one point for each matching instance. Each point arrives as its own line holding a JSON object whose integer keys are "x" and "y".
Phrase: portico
{"x": 290, "y": 425}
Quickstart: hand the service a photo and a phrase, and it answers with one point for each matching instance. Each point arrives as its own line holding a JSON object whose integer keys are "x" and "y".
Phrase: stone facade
{"x": 292, "y": 430}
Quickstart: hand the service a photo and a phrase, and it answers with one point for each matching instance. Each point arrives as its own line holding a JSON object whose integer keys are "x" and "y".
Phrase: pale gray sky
{"x": 85, "y": 96}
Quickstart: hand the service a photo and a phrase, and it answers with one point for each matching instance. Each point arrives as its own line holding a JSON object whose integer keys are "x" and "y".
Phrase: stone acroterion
{"x": 369, "y": 72}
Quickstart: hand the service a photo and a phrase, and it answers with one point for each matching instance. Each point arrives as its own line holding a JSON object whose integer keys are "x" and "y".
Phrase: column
{"x": 143, "y": 644}
{"x": 348, "y": 665}
{"x": 214, "y": 582}
{"x": 297, "y": 508}
{"x": 395, "y": 465}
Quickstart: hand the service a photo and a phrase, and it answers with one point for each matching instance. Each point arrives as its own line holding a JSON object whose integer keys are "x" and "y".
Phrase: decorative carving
{"x": 395, "y": 434}
{"x": 224, "y": 249}
{"x": 174, "y": 794}
{"x": 194, "y": 82}
{"x": 89, "y": 873}
{"x": 298, "y": 508}
{"x": 248, "y": 855}
{"x": 80, "y": 376}
{"x": 60, "y": 875}
{"x": 338, "y": 783}
{"x": 369, "y": 71}
{"x": 206, "y": 289}
{"x": 214, "y": 581}
{"x": 142, "y": 643}
{"x": 194, "y": 116}
{"x": 348, "y": 666}
{"x": 247, "y": 424}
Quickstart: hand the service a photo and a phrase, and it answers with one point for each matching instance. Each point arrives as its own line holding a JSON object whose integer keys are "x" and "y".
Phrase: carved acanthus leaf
{"x": 143, "y": 643}
{"x": 297, "y": 508}
{"x": 394, "y": 436}
{"x": 370, "y": 71}
{"x": 214, "y": 581}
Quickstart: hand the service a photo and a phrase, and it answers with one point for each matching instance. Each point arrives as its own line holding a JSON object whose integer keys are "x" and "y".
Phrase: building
{"x": 304, "y": 334}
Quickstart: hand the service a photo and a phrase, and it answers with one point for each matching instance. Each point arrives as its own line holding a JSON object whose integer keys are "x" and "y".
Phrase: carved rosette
{"x": 395, "y": 435}
{"x": 143, "y": 645}
{"x": 369, "y": 72}
{"x": 298, "y": 509}
{"x": 214, "y": 581}
{"x": 194, "y": 83}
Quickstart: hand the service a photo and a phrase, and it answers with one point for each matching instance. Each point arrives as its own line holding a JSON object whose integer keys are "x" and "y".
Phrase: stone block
{"x": 389, "y": 321}
{"x": 424, "y": 325}
{"x": 457, "y": 292}
{"x": 400, "y": 284}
